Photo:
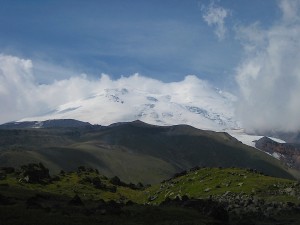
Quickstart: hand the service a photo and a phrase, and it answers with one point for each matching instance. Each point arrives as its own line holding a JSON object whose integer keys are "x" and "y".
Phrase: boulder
{"x": 96, "y": 181}
{"x": 35, "y": 173}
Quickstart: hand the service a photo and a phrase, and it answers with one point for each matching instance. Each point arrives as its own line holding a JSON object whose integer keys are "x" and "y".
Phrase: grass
{"x": 201, "y": 183}
{"x": 71, "y": 184}
{"x": 208, "y": 182}
{"x": 53, "y": 207}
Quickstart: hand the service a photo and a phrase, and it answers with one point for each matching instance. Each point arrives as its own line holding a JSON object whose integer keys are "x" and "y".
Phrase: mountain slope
{"x": 204, "y": 108}
{"x": 216, "y": 196}
{"x": 134, "y": 151}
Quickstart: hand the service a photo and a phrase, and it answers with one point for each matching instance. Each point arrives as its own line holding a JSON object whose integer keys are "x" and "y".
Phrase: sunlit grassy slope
{"x": 198, "y": 183}
{"x": 214, "y": 182}
{"x": 49, "y": 202}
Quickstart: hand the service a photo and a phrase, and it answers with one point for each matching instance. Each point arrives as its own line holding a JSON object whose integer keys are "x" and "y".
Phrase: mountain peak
{"x": 209, "y": 109}
{"x": 136, "y": 123}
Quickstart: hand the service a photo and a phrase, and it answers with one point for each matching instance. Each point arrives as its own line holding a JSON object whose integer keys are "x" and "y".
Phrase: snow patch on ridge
{"x": 249, "y": 139}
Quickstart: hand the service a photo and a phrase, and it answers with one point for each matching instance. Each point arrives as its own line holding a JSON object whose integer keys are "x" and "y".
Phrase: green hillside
{"x": 197, "y": 196}
{"x": 133, "y": 151}
{"x": 219, "y": 182}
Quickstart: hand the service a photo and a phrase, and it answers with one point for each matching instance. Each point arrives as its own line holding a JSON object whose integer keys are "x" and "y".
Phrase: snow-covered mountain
{"x": 193, "y": 102}
{"x": 209, "y": 109}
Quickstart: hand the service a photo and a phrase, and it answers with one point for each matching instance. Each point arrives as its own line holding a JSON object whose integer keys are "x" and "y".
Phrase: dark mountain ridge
{"x": 134, "y": 151}
{"x": 45, "y": 124}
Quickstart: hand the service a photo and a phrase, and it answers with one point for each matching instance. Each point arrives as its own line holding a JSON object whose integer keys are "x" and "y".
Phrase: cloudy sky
{"x": 250, "y": 48}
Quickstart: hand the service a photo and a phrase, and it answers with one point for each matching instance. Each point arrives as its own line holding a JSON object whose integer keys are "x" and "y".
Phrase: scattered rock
{"x": 240, "y": 184}
{"x": 207, "y": 189}
{"x": 226, "y": 193}
{"x": 152, "y": 198}
{"x": 288, "y": 190}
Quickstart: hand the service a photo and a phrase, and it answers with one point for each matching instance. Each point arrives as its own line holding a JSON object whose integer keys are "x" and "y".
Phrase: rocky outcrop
{"x": 35, "y": 173}
{"x": 285, "y": 152}
{"x": 242, "y": 204}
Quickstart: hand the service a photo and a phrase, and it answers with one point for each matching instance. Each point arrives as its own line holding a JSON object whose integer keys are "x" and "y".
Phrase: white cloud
{"x": 14, "y": 88}
{"x": 269, "y": 76}
{"x": 215, "y": 16}
{"x": 21, "y": 96}
{"x": 290, "y": 10}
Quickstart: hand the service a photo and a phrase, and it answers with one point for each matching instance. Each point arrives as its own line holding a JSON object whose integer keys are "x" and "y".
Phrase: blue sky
{"x": 249, "y": 48}
{"x": 163, "y": 39}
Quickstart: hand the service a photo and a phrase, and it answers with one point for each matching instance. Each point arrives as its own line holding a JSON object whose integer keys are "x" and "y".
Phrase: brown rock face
{"x": 287, "y": 152}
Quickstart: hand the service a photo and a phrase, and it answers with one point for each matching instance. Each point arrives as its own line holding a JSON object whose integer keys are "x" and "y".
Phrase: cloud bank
{"x": 215, "y": 16}
{"x": 21, "y": 96}
{"x": 269, "y": 75}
